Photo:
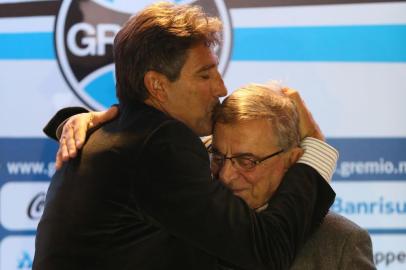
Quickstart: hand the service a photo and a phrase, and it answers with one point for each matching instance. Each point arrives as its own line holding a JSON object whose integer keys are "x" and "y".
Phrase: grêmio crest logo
{"x": 84, "y": 36}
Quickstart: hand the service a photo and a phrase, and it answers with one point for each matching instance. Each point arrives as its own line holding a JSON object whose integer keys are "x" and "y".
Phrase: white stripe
{"x": 35, "y": 87}
{"x": 315, "y": 155}
{"x": 317, "y": 164}
{"x": 319, "y": 146}
{"x": 385, "y": 202}
{"x": 343, "y": 14}
{"x": 27, "y": 24}
{"x": 18, "y": 1}
{"x": 321, "y": 153}
{"x": 346, "y": 99}
{"x": 315, "y": 148}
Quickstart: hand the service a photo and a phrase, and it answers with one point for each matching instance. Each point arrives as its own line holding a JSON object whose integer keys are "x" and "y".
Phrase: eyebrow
{"x": 206, "y": 67}
{"x": 237, "y": 154}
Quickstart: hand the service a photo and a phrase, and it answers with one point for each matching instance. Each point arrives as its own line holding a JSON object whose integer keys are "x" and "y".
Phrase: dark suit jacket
{"x": 339, "y": 244}
{"x": 140, "y": 196}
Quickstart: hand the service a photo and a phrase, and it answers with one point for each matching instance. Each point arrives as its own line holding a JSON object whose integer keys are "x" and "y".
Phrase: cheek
{"x": 252, "y": 178}
{"x": 204, "y": 95}
{"x": 266, "y": 183}
{"x": 199, "y": 103}
{"x": 251, "y": 182}
{"x": 248, "y": 183}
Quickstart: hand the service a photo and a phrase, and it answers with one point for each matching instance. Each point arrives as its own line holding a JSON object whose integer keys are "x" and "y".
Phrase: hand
{"x": 308, "y": 127}
{"x": 74, "y": 131}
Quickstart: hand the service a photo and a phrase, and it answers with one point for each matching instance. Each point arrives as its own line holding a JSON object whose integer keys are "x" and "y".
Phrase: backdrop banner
{"x": 347, "y": 59}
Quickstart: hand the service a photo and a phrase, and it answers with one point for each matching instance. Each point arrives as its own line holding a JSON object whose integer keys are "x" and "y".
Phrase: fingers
{"x": 81, "y": 124}
{"x": 104, "y": 116}
{"x": 303, "y": 117}
{"x": 291, "y": 93}
{"x": 112, "y": 112}
{"x": 70, "y": 142}
{"x": 67, "y": 142}
{"x": 59, "y": 160}
{"x": 307, "y": 124}
{"x": 74, "y": 132}
{"x": 62, "y": 154}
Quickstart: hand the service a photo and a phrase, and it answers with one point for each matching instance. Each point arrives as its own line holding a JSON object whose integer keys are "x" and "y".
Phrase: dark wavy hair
{"x": 158, "y": 38}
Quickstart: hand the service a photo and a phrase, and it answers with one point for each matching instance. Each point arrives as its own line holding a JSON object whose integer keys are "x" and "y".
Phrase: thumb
{"x": 104, "y": 116}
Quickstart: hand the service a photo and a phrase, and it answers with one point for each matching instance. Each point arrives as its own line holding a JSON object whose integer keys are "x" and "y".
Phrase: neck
{"x": 156, "y": 104}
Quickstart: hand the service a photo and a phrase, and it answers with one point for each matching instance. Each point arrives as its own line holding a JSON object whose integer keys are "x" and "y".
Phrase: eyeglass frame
{"x": 255, "y": 163}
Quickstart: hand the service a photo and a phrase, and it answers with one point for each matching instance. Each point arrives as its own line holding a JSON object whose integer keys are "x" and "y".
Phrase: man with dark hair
{"x": 157, "y": 40}
{"x": 140, "y": 195}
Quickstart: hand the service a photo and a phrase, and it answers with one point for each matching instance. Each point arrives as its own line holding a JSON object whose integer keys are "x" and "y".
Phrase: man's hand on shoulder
{"x": 317, "y": 153}
{"x": 308, "y": 127}
{"x": 72, "y": 132}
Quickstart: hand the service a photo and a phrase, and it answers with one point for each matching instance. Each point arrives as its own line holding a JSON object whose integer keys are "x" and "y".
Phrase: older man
{"x": 255, "y": 141}
{"x": 139, "y": 195}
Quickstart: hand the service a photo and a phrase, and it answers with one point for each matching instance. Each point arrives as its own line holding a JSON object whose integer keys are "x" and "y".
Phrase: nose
{"x": 219, "y": 88}
{"x": 227, "y": 173}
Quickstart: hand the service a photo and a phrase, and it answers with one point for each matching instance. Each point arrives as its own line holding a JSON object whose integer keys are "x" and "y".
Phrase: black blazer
{"x": 140, "y": 196}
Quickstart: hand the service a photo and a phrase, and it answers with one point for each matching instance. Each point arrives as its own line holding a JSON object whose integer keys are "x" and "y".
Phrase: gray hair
{"x": 256, "y": 101}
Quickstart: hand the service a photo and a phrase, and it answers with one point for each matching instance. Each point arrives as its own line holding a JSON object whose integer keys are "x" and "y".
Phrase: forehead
{"x": 198, "y": 57}
{"x": 251, "y": 136}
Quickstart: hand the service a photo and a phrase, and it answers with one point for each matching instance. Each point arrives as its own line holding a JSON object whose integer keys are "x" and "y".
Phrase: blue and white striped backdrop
{"x": 347, "y": 58}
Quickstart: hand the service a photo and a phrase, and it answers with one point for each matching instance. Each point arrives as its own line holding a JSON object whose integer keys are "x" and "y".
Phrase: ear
{"x": 292, "y": 156}
{"x": 153, "y": 81}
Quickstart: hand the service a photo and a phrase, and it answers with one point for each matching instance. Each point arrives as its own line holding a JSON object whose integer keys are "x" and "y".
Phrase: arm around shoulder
{"x": 60, "y": 117}
{"x": 207, "y": 215}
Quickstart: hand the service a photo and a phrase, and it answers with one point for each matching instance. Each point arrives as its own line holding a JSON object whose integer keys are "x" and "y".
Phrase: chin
{"x": 248, "y": 200}
{"x": 240, "y": 194}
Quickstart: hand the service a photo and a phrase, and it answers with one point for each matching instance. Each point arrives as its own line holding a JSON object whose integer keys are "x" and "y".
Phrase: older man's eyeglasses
{"x": 244, "y": 162}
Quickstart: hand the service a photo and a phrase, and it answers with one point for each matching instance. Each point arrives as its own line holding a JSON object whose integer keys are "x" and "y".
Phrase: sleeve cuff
{"x": 206, "y": 140}
{"x": 320, "y": 156}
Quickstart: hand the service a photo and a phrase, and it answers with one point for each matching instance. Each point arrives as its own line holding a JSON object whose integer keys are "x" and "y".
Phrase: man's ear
{"x": 154, "y": 82}
{"x": 292, "y": 156}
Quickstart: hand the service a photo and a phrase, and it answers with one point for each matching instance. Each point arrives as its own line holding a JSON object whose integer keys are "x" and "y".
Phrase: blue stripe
{"x": 370, "y": 159}
{"x": 387, "y": 231}
{"x": 26, "y": 150}
{"x": 384, "y": 43}
{"x": 27, "y": 46}
{"x": 337, "y": 178}
{"x": 326, "y": 43}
